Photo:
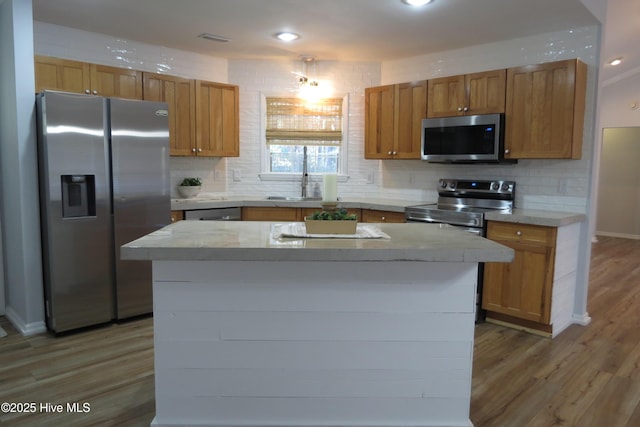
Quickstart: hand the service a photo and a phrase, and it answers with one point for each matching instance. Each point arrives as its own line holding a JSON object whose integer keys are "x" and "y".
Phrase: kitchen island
{"x": 255, "y": 330}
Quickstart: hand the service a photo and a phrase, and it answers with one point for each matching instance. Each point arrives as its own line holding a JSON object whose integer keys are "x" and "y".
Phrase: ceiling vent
{"x": 213, "y": 38}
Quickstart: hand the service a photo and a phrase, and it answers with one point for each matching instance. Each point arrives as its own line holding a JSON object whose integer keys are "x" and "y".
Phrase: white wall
{"x": 69, "y": 43}
{"x": 619, "y": 183}
{"x": 20, "y": 212}
{"x": 617, "y": 205}
{"x": 545, "y": 184}
{"x": 541, "y": 184}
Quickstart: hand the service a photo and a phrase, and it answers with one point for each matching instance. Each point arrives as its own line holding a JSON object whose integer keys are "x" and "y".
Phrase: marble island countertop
{"x": 254, "y": 241}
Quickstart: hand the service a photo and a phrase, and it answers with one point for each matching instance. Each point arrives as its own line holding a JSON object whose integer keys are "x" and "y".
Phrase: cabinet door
{"x": 116, "y": 82}
{"x": 446, "y": 97}
{"x": 486, "y": 92}
{"x": 379, "y": 122}
{"x": 61, "y": 74}
{"x": 411, "y": 100}
{"x": 522, "y": 288}
{"x": 179, "y": 94}
{"x": 217, "y": 124}
{"x": 545, "y": 110}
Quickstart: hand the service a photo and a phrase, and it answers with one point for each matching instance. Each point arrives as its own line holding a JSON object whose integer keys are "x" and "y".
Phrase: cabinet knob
{"x": 390, "y": 153}
{"x": 199, "y": 150}
{"x": 506, "y": 151}
{"x": 465, "y": 109}
{"x": 459, "y": 108}
{"x": 193, "y": 150}
{"x": 384, "y": 218}
{"x": 87, "y": 91}
{"x": 518, "y": 233}
{"x": 395, "y": 152}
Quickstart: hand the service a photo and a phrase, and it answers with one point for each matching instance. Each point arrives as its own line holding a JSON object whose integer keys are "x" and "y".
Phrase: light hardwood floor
{"x": 588, "y": 376}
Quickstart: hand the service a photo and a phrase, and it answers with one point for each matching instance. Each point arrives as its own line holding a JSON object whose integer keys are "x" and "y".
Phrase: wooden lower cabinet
{"x": 268, "y": 213}
{"x": 373, "y": 215}
{"x": 177, "y": 216}
{"x": 521, "y": 289}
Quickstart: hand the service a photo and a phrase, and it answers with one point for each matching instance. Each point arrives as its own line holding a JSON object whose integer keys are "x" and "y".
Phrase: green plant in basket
{"x": 191, "y": 182}
{"x": 337, "y": 215}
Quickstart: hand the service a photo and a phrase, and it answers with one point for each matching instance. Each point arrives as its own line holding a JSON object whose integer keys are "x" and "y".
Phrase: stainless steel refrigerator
{"x": 104, "y": 181}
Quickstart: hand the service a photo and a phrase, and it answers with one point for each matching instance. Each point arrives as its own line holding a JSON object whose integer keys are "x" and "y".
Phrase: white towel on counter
{"x": 298, "y": 230}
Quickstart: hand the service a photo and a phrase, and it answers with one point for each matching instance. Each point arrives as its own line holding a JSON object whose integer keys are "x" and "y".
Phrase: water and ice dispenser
{"x": 78, "y": 196}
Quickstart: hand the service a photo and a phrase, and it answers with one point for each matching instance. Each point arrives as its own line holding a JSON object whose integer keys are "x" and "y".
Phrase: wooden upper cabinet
{"x": 411, "y": 108}
{"x": 379, "y": 122}
{"x": 62, "y": 74}
{"x": 217, "y": 119}
{"x": 545, "y": 110}
{"x": 179, "y": 94}
{"x": 116, "y": 82}
{"x": 477, "y": 93}
{"x": 393, "y": 116}
{"x": 80, "y": 77}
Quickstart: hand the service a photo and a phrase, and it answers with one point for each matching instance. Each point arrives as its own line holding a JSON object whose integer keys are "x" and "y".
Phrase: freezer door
{"x": 75, "y": 210}
{"x": 141, "y": 193}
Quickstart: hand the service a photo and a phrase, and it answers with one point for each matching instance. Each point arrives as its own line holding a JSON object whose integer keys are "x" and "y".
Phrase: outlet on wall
{"x": 236, "y": 175}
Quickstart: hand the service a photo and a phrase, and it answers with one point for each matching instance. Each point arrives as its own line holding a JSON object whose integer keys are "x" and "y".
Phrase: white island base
{"x": 297, "y": 343}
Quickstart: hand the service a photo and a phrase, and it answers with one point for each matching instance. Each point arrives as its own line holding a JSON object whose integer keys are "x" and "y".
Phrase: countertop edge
{"x": 537, "y": 217}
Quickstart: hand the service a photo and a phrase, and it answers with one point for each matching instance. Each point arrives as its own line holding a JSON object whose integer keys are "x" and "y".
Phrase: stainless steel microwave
{"x": 464, "y": 139}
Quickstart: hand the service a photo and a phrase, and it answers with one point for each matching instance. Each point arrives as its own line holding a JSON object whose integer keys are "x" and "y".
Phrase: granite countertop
{"x": 254, "y": 241}
{"x": 220, "y": 201}
{"x": 522, "y": 216}
{"x": 537, "y": 217}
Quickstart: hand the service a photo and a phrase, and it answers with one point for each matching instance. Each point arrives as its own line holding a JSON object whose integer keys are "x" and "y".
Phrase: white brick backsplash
{"x": 541, "y": 184}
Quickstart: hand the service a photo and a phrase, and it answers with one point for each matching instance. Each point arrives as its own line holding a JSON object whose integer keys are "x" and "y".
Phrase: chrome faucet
{"x": 305, "y": 175}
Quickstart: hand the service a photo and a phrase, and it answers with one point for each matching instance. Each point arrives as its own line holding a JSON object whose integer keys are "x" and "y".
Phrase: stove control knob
{"x": 506, "y": 187}
{"x": 443, "y": 184}
{"x": 452, "y": 185}
{"x": 495, "y": 186}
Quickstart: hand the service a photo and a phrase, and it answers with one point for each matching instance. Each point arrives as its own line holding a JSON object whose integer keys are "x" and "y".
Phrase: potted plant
{"x": 337, "y": 221}
{"x": 190, "y": 187}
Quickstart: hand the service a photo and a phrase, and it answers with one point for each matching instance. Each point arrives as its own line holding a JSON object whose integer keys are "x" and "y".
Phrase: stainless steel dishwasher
{"x": 216, "y": 214}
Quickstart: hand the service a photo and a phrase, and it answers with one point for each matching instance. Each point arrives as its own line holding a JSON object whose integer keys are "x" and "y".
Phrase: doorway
{"x": 618, "y": 208}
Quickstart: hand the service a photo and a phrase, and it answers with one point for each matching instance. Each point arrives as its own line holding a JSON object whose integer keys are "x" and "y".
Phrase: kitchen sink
{"x": 294, "y": 198}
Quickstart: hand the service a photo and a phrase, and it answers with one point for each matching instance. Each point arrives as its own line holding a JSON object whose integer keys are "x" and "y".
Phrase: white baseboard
{"x": 24, "y": 328}
{"x": 581, "y": 319}
{"x": 620, "y": 235}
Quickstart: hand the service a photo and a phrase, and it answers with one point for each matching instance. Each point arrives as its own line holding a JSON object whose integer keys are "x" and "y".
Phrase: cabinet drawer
{"x": 372, "y": 215}
{"x": 177, "y": 216}
{"x": 521, "y": 233}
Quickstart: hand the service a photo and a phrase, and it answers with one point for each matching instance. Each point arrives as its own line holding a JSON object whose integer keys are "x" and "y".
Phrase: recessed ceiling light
{"x": 416, "y": 2}
{"x": 287, "y": 37}
{"x": 616, "y": 61}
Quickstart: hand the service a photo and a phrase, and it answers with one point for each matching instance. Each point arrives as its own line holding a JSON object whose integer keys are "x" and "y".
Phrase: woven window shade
{"x": 292, "y": 121}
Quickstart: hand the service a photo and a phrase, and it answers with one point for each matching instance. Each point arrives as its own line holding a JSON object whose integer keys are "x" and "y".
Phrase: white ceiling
{"x": 355, "y": 30}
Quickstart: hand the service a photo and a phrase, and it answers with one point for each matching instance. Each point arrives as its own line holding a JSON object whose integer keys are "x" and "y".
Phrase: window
{"x": 293, "y": 123}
